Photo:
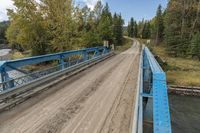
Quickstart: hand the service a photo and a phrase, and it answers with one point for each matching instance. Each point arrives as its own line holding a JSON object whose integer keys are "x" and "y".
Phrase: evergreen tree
{"x": 131, "y": 28}
{"x": 146, "y": 32}
{"x": 118, "y": 29}
{"x": 159, "y": 26}
{"x": 181, "y": 22}
{"x": 135, "y": 29}
{"x": 105, "y": 25}
{"x": 3, "y": 27}
{"x": 195, "y": 46}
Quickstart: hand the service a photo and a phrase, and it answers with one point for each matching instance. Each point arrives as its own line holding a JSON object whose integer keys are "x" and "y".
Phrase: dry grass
{"x": 17, "y": 55}
{"x": 184, "y": 78}
{"x": 181, "y": 71}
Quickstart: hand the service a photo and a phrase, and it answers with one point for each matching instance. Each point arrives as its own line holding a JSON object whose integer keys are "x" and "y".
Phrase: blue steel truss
{"x": 82, "y": 55}
{"x": 155, "y": 86}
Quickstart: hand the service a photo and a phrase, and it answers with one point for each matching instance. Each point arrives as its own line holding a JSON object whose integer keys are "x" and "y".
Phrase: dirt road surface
{"x": 97, "y": 100}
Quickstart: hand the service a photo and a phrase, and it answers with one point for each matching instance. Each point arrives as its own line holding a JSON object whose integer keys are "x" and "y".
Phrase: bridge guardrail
{"x": 11, "y": 97}
{"x": 152, "y": 84}
{"x": 155, "y": 82}
{"x": 6, "y": 66}
{"x": 137, "y": 125}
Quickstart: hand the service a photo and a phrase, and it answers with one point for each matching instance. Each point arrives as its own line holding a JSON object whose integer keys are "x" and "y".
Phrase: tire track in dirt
{"x": 119, "y": 118}
{"x": 68, "y": 112}
{"x": 82, "y": 103}
{"x": 34, "y": 116}
{"x": 93, "y": 115}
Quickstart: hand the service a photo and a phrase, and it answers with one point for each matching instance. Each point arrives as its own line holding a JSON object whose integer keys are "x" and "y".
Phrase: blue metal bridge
{"x": 152, "y": 87}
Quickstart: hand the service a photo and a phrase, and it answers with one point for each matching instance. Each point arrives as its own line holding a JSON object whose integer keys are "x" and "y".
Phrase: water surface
{"x": 185, "y": 114}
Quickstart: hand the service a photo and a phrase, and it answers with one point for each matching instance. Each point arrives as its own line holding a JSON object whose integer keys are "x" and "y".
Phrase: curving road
{"x": 99, "y": 99}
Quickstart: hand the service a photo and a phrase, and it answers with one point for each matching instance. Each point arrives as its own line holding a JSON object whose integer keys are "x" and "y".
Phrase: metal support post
{"x": 97, "y": 53}
{"x": 62, "y": 62}
{"x": 4, "y": 78}
{"x": 85, "y": 55}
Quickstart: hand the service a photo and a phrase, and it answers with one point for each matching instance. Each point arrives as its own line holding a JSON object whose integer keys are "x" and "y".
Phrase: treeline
{"x": 141, "y": 29}
{"x": 52, "y": 26}
{"x": 3, "y": 27}
{"x": 182, "y": 28}
{"x": 177, "y": 27}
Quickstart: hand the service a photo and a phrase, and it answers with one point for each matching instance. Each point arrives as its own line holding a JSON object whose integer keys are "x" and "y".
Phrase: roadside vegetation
{"x": 173, "y": 35}
{"x": 180, "y": 71}
{"x": 3, "y": 27}
{"x": 35, "y": 27}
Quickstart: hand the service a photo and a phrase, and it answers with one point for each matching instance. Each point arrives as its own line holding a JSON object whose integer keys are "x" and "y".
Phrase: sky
{"x": 138, "y": 9}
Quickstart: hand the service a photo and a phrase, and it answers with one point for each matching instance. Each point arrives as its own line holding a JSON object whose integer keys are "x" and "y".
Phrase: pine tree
{"x": 181, "y": 22}
{"x": 173, "y": 28}
{"x": 131, "y": 28}
{"x": 146, "y": 32}
{"x": 118, "y": 29}
{"x": 195, "y": 46}
{"x": 135, "y": 29}
{"x": 105, "y": 25}
{"x": 3, "y": 27}
{"x": 159, "y": 25}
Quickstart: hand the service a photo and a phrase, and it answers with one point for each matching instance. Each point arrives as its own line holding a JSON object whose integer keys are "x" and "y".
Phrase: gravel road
{"x": 97, "y": 100}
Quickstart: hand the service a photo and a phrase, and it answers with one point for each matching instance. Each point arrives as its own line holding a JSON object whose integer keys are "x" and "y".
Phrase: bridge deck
{"x": 99, "y": 99}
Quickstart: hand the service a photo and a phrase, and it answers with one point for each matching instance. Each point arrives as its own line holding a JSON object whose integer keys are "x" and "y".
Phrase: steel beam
{"x": 161, "y": 115}
{"x": 43, "y": 58}
{"x": 6, "y": 66}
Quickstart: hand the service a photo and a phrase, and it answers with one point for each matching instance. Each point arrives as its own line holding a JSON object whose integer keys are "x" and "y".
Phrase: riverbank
{"x": 184, "y": 90}
{"x": 180, "y": 71}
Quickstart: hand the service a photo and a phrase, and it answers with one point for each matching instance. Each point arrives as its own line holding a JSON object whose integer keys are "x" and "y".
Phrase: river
{"x": 5, "y": 55}
{"x": 185, "y": 113}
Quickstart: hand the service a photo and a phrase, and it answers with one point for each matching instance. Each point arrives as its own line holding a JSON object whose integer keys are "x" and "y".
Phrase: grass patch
{"x": 183, "y": 78}
{"x": 180, "y": 71}
{"x": 18, "y": 55}
{"x": 127, "y": 43}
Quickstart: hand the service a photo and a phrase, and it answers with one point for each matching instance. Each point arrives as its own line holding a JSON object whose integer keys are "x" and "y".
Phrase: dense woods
{"x": 182, "y": 27}
{"x": 58, "y": 25}
{"x": 3, "y": 27}
{"x": 177, "y": 27}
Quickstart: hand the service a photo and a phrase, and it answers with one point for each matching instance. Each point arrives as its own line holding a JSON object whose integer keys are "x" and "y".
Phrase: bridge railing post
{"x": 97, "y": 53}
{"x": 62, "y": 62}
{"x": 105, "y": 50}
{"x": 85, "y": 55}
{"x": 7, "y": 82}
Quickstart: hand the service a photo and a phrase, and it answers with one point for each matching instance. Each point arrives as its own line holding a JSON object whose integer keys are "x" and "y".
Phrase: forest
{"x": 59, "y": 25}
{"x": 177, "y": 27}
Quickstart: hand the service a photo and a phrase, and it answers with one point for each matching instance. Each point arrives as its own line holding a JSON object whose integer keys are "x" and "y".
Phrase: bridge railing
{"x": 65, "y": 59}
{"x": 153, "y": 93}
